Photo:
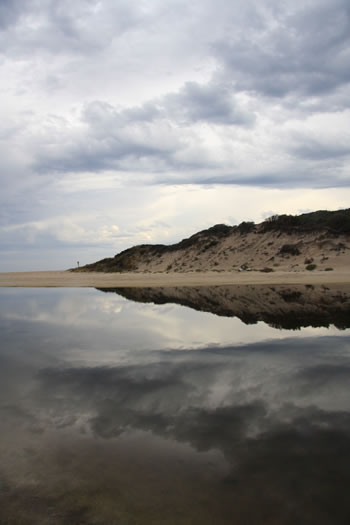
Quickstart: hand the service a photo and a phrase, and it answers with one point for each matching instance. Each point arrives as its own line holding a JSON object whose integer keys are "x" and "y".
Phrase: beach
{"x": 68, "y": 279}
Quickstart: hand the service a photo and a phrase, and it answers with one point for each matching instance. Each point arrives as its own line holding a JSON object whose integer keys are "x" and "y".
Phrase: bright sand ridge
{"x": 67, "y": 279}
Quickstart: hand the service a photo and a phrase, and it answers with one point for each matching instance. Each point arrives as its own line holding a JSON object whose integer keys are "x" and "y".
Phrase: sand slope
{"x": 231, "y": 249}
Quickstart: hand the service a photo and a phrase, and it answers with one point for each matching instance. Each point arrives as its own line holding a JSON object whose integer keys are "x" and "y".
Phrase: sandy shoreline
{"x": 66, "y": 279}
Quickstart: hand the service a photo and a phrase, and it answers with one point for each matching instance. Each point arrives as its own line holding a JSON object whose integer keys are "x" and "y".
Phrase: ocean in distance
{"x": 215, "y": 405}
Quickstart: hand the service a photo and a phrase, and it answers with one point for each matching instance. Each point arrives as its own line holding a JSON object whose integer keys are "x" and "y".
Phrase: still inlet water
{"x": 175, "y": 406}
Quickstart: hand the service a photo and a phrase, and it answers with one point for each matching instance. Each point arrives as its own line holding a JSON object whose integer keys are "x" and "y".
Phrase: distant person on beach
{"x": 78, "y": 263}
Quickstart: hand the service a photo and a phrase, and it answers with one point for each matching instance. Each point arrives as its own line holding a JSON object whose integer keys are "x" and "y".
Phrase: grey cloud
{"x": 64, "y": 27}
{"x": 281, "y": 448}
{"x": 14, "y": 415}
{"x": 158, "y": 136}
{"x": 271, "y": 49}
{"x": 305, "y": 51}
{"x": 137, "y": 388}
{"x": 323, "y": 377}
{"x": 173, "y": 401}
{"x": 289, "y": 178}
{"x": 104, "y": 117}
{"x": 310, "y": 444}
{"x": 141, "y": 131}
{"x": 172, "y": 394}
{"x": 276, "y": 49}
{"x": 147, "y": 112}
{"x": 204, "y": 428}
{"x": 126, "y": 384}
{"x": 10, "y": 11}
{"x": 168, "y": 400}
{"x": 111, "y": 139}
{"x": 208, "y": 103}
{"x": 95, "y": 156}
{"x": 211, "y": 103}
{"x": 308, "y": 148}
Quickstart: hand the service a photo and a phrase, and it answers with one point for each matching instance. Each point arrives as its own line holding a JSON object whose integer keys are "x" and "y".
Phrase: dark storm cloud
{"x": 305, "y": 50}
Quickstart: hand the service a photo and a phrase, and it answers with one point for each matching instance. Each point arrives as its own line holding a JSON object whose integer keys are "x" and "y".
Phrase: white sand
{"x": 67, "y": 279}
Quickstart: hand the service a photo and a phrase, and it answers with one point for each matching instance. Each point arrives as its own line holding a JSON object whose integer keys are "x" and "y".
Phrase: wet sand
{"x": 68, "y": 279}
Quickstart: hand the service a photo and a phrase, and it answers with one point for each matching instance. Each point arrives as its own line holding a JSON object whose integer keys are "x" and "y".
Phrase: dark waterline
{"x": 117, "y": 412}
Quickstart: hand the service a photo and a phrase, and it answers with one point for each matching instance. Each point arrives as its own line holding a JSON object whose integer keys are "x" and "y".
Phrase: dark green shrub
{"x": 246, "y": 227}
{"x": 311, "y": 267}
{"x": 291, "y": 249}
{"x": 334, "y": 221}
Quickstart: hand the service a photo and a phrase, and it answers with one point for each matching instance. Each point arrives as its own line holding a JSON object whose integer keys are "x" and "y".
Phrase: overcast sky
{"x": 132, "y": 121}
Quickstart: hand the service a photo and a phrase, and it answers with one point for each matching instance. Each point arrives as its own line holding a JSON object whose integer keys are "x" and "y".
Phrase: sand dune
{"x": 251, "y": 247}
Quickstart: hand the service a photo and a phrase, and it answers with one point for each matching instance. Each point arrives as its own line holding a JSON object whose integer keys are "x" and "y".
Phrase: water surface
{"x": 120, "y": 412}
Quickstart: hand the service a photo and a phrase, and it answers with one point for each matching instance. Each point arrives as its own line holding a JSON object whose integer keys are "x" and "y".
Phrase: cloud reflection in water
{"x": 265, "y": 421}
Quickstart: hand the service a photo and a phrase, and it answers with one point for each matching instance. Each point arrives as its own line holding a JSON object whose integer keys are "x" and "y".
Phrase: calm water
{"x": 120, "y": 412}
